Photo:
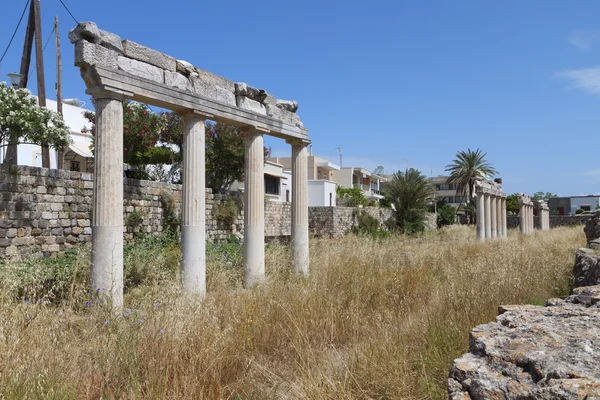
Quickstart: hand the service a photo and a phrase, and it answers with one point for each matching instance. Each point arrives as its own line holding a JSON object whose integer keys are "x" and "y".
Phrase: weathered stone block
{"x": 150, "y": 56}
{"x": 178, "y": 81}
{"x": 88, "y": 31}
{"x": 87, "y": 54}
{"x": 141, "y": 69}
{"x": 186, "y": 68}
{"x": 243, "y": 89}
{"x": 225, "y": 96}
{"x": 250, "y": 105}
{"x": 288, "y": 105}
{"x": 215, "y": 80}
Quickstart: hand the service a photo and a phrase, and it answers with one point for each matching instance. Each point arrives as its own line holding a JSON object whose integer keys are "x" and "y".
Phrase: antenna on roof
{"x": 339, "y": 150}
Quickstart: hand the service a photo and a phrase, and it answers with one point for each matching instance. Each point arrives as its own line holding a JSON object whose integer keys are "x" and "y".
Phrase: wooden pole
{"x": 39, "y": 66}
{"x": 11, "y": 152}
{"x": 59, "y": 106}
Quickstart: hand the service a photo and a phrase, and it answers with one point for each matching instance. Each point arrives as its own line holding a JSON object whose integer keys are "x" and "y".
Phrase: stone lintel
{"x": 107, "y": 92}
{"x": 306, "y": 142}
{"x": 161, "y": 95}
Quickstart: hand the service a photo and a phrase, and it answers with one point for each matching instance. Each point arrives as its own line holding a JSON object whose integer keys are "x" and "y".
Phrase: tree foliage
{"x": 23, "y": 121}
{"x": 446, "y": 214}
{"x": 350, "y": 197}
{"x": 543, "y": 196}
{"x": 410, "y": 193}
{"x": 512, "y": 204}
{"x": 224, "y": 156}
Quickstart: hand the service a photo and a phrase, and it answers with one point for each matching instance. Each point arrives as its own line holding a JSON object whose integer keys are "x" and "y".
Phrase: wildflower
{"x": 106, "y": 322}
{"x": 87, "y": 303}
{"x": 161, "y": 331}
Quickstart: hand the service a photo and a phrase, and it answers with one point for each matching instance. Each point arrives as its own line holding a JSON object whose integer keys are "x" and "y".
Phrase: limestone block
{"x": 140, "y": 69}
{"x": 178, "y": 81}
{"x": 288, "y": 105}
{"x": 296, "y": 121}
{"x": 250, "y": 105}
{"x": 215, "y": 80}
{"x": 88, "y": 31}
{"x": 225, "y": 96}
{"x": 186, "y": 68}
{"x": 150, "y": 56}
{"x": 87, "y": 53}
{"x": 243, "y": 89}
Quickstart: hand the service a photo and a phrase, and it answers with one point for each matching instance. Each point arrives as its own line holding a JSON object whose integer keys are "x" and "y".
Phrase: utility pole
{"x": 59, "y": 108}
{"x": 11, "y": 152}
{"x": 39, "y": 66}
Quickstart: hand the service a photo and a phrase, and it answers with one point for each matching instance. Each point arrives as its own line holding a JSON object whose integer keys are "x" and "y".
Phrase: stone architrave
{"x": 254, "y": 209}
{"x": 193, "y": 207}
{"x": 107, "y": 220}
{"x": 300, "y": 249}
{"x": 491, "y": 209}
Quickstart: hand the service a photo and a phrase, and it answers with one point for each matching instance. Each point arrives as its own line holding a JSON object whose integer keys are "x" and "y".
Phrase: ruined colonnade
{"x": 491, "y": 210}
{"x": 543, "y": 214}
{"x": 116, "y": 70}
{"x": 525, "y": 213}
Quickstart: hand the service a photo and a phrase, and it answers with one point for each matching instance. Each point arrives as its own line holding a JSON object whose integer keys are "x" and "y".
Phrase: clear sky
{"x": 392, "y": 83}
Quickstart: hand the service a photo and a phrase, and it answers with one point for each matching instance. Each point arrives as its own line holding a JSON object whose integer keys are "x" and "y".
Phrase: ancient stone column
{"x": 503, "y": 218}
{"x": 254, "y": 209}
{"x": 193, "y": 207}
{"x": 499, "y": 216}
{"x": 107, "y": 216}
{"x": 530, "y": 218}
{"x": 481, "y": 216}
{"x": 523, "y": 218}
{"x": 488, "y": 217}
{"x": 494, "y": 215}
{"x": 300, "y": 250}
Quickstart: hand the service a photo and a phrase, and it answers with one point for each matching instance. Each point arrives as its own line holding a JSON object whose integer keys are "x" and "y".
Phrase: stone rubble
{"x": 533, "y": 352}
{"x": 592, "y": 231}
{"x": 586, "y": 271}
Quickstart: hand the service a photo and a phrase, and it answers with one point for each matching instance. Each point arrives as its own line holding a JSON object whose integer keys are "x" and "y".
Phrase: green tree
{"x": 350, "y": 197}
{"x": 23, "y": 121}
{"x": 543, "y": 196}
{"x": 468, "y": 165}
{"x": 224, "y": 156}
{"x": 410, "y": 192}
{"x": 446, "y": 214}
{"x": 512, "y": 204}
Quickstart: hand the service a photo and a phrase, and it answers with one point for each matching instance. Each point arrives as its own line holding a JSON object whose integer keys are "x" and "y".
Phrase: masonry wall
{"x": 45, "y": 211}
{"x": 556, "y": 221}
{"x": 335, "y": 222}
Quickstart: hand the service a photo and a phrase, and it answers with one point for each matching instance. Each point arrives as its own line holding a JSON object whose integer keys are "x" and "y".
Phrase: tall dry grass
{"x": 374, "y": 320}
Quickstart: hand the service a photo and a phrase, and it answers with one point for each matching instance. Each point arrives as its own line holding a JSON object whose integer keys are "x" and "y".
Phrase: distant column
{"x": 494, "y": 216}
{"x": 193, "y": 207}
{"x": 481, "y": 216}
{"x": 530, "y": 218}
{"x": 254, "y": 209}
{"x": 523, "y": 218}
{"x": 499, "y": 216}
{"x": 300, "y": 250}
{"x": 488, "y": 217}
{"x": 107, "y": 217}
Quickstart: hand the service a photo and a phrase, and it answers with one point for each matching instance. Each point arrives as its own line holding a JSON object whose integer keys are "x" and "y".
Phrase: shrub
{"x": 170, "y": 220}
{"x": 134, "y": 219}
{"x": 350, "y": 197}
{"x": 367, "y": 225}
{"x": 579, "y": 211}
{"x": 227, "y": 212}
{"x": 446, "y": 214}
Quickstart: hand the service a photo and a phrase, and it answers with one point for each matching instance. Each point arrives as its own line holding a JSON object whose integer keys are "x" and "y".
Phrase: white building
{"x": 369, "y": 183}
{"x": 278, "y": 183}
{"x": 78, "y": 157}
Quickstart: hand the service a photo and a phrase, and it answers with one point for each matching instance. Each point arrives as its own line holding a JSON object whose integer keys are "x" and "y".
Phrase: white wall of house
{"x": 321, "y": 193}
{"x": 343, "y": 177}
{"x": 587, "y": 203}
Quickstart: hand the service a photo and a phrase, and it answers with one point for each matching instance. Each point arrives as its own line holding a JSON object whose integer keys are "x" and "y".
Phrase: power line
{"x": 15, "y": 32}
{"x": 67, "y": 8}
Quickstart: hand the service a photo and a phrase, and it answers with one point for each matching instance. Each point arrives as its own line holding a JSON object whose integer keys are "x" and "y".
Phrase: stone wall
{"x": 44, "y": 211}
{"x": 555, "y": 221}
{"x": 335, "y": 222}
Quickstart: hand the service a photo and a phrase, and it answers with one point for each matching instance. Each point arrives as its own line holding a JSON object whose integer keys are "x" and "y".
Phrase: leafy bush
{"x": 579, "y": 211}
{"x": 350, "y": 197}
{"x": 446, "y": 214}
{"x": 368, "y": 225}
{"x": 170, "y": 220}
{"x": 134, "y": 219}
{"x": 227, "y": 212}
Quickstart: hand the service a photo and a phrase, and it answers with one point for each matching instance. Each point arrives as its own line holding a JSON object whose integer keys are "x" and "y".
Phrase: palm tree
{"x": 468, "y": 165}
{"x": 410, "y": 192}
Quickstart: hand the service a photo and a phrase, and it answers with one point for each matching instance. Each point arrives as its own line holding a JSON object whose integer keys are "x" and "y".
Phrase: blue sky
{"x": 392, "y": 83}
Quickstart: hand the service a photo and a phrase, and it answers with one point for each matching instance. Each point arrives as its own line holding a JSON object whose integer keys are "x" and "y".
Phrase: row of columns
{"x": 525, "y": 214}
{"x": 543, "y": 215}
{"x": 491, "y": 215}
{"x": 107, "y": 223}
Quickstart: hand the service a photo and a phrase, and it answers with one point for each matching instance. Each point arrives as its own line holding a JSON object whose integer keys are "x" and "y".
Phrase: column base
{"x": 193, "y": 259}
{"x": 107, "y": 265}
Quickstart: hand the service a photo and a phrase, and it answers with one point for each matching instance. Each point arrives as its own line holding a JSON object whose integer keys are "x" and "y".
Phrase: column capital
{"x": 298, "y": 142}
{"x": 189, "y": 113}
{"x": 107, "y": 92}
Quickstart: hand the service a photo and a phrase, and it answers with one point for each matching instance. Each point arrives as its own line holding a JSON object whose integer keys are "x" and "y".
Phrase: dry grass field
{"x": 376, "y": 319}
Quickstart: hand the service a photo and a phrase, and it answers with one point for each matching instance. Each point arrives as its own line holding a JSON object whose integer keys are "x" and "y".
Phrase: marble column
{"x": 494, "y": 216}
{"x": 503, "y": 218}
{"x": 193, "y": 207}
{"x": 530, "y": 218}
{"x": 481, "y": 216}
{"x": 107, "y": 216}
{"x": 523, "y": 218}
{"x": 300, "y": 250}
{"x": 499, "y": 216}
{"x": 488, "y": 217}
{"x": 254, "y": 209}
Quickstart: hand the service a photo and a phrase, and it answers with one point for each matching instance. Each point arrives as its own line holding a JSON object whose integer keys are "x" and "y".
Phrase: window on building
{"x": 445, "y": 186}
{"x": 272, "y": 185}
{"x": 586, "y": 207}
{"x": 75, "y": 166}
